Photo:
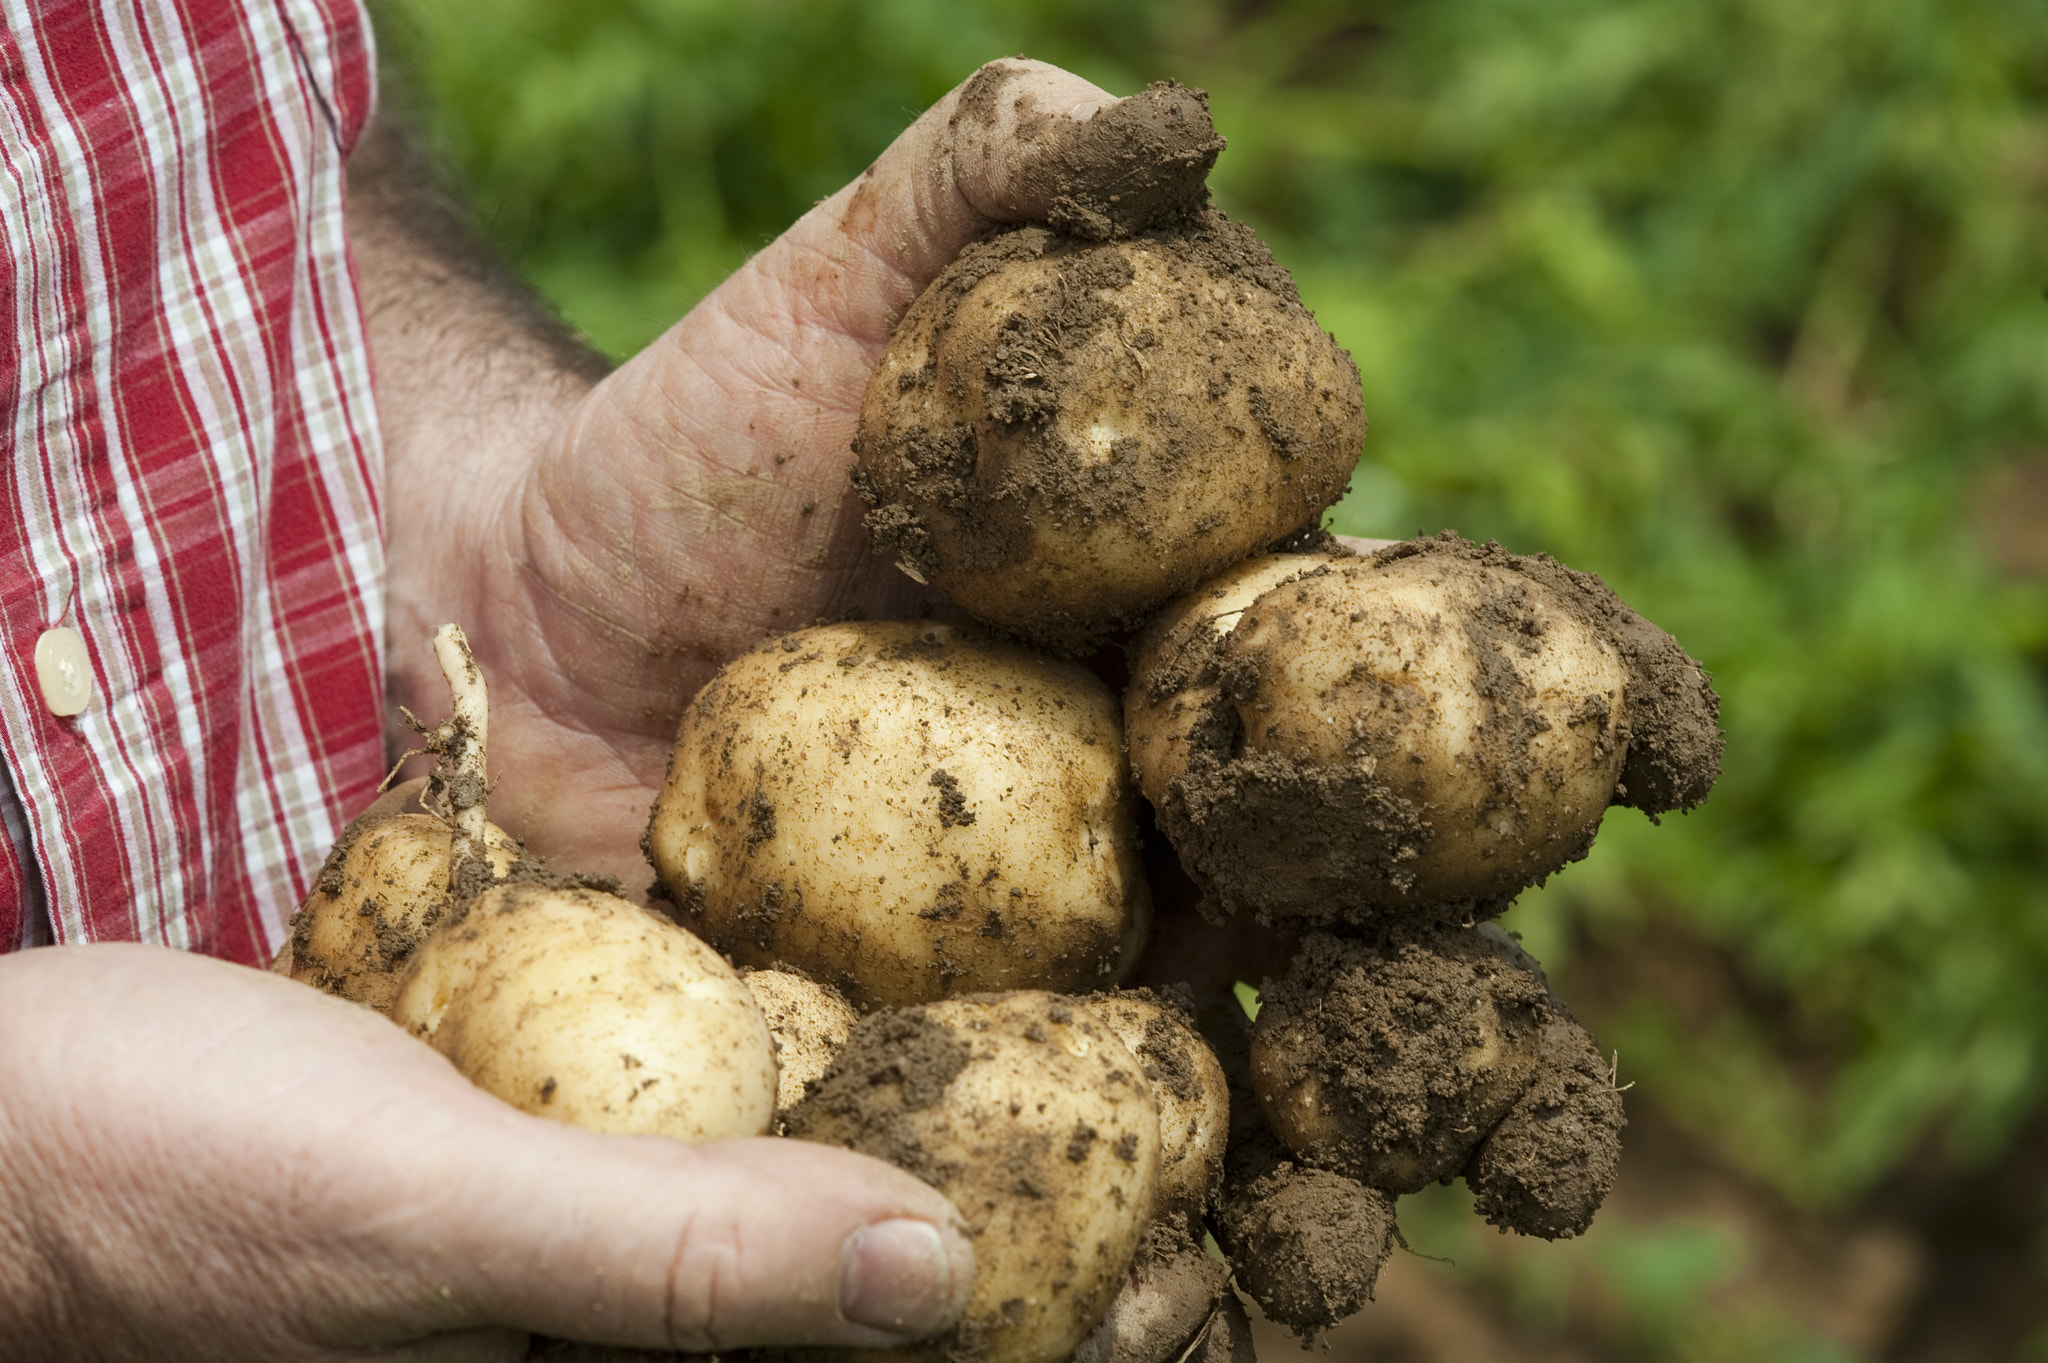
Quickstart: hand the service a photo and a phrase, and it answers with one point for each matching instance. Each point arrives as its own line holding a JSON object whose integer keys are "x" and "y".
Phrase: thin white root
{"x": 457, "y": 789}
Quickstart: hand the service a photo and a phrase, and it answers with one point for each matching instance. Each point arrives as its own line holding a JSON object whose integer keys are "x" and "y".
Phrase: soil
{"x": 1240, "y": 423}
{"x": 1299, "y": 841}
{"x": 1134, "y": 164}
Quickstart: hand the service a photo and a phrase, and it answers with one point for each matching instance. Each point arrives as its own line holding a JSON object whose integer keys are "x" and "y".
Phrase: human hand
{"x": 199, "y": 1161}
{"x": 697, "y": 499}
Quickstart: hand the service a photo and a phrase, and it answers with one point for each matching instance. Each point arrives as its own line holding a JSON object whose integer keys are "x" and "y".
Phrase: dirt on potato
{"x": 1135, "y": 164}
{"x": 1339, "y": 846}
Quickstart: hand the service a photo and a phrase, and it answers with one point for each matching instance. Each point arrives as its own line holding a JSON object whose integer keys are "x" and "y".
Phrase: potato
{"x": 1170, "y": 1294}
{"x": 905, "y": 812}
{"x": 381, "y": 891}
{"x": 1194, "y": 1101}
{"x": 1334, "y": 740}
{"x": 1030, "y": 1115}
{"x": 1064, "y": 433}
{"x": 1390, "y": 1061}
{"x": 1551, "y": 1161}
{"x": 809, "y": 1022}
{"x": 577, "y": 1005}
{"x": 1308, "y": 1244}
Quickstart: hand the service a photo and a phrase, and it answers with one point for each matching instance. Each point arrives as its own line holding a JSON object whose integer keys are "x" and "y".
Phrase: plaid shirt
{"x": 191, "y": 464}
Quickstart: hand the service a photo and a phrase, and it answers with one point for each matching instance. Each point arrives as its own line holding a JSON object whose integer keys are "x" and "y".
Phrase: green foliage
{"x": 1734, "y": 302}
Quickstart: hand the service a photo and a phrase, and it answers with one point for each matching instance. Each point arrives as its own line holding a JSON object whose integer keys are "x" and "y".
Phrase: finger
{"x": 1018, "y": 141}
{"x": 649, "y": 1243}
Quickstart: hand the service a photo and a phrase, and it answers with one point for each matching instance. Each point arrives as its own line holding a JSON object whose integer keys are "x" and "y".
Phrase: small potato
{"x": 1065, "y": 433}
{"x": 578, "y": 1005}
{"x": 1551, "y": 1162}
{"x": 1335, "y": 739}
{"x": 809, "y": 1022}
{"x": 1194, "y": 1099}
{"x": 907, "y": 813}
{"x": 1390, "y": 1062}
{"x": 1170, "y": 1294}
{"x": 1029, "y": 1114}
{"x": 1308, "y": 1244}
{"x": 380, "y": 893}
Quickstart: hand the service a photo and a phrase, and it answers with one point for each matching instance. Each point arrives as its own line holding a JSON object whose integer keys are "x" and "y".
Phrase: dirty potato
{"x": 1038, "y": 1124}
{"x": 1064, "y": 433}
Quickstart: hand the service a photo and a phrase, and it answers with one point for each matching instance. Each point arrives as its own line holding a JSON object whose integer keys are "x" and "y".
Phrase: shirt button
{"x": 65, "y": 671}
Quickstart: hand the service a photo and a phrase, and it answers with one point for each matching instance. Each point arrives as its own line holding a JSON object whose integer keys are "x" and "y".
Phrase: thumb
{"x": 642, "y": 1241}
{"x": 1018, "y": 141}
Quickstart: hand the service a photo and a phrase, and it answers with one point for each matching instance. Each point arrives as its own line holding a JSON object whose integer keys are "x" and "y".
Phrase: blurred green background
{"x": 1738, "y": 303}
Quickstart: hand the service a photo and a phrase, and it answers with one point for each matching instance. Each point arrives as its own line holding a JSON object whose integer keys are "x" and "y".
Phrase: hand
{"x": 608, "y": 548}
{"x": 199, "y": 1161}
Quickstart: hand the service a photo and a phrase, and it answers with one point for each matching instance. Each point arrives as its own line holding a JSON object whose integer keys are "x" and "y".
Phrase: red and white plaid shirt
{"x": 191, "y": 464}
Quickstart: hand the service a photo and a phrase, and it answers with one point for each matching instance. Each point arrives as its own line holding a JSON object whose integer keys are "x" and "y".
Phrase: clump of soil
{"x": 1134, "y": 164}
{"x": 1068, "y": 430}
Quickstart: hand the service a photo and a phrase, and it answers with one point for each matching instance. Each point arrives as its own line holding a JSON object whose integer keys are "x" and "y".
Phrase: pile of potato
{"x": 914, "y": 849}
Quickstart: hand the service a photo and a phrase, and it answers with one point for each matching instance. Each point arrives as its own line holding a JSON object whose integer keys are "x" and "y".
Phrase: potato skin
{"x": 578, "y": 1005}
{"x": 1365, "y": 738}
{"x": 1063, "y": 434}
{"x": 1029, "y": 1114}
{"x": 905, "y": 813}
{"x": 381, "y": 891}
{"x": 1194, "y": 1099}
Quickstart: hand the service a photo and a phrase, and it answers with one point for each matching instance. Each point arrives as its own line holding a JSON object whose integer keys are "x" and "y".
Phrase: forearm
{"x": 472, "y": 374}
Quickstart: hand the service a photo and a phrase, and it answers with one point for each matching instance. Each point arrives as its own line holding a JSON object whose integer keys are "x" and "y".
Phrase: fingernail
{"x": 896, "y": 1275}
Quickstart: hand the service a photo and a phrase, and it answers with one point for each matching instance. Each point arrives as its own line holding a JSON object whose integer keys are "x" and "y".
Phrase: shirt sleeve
{"x": 193, "y": 463}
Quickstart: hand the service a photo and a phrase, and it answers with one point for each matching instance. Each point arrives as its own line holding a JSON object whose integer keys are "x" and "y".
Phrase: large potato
{"x": 577, "y": 1005}
{"x": 1329, "y": 738}
{"x": 1030, "y": 1115}
{"x": 1063, "y": 434}
{"x": 905, "y": 813}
